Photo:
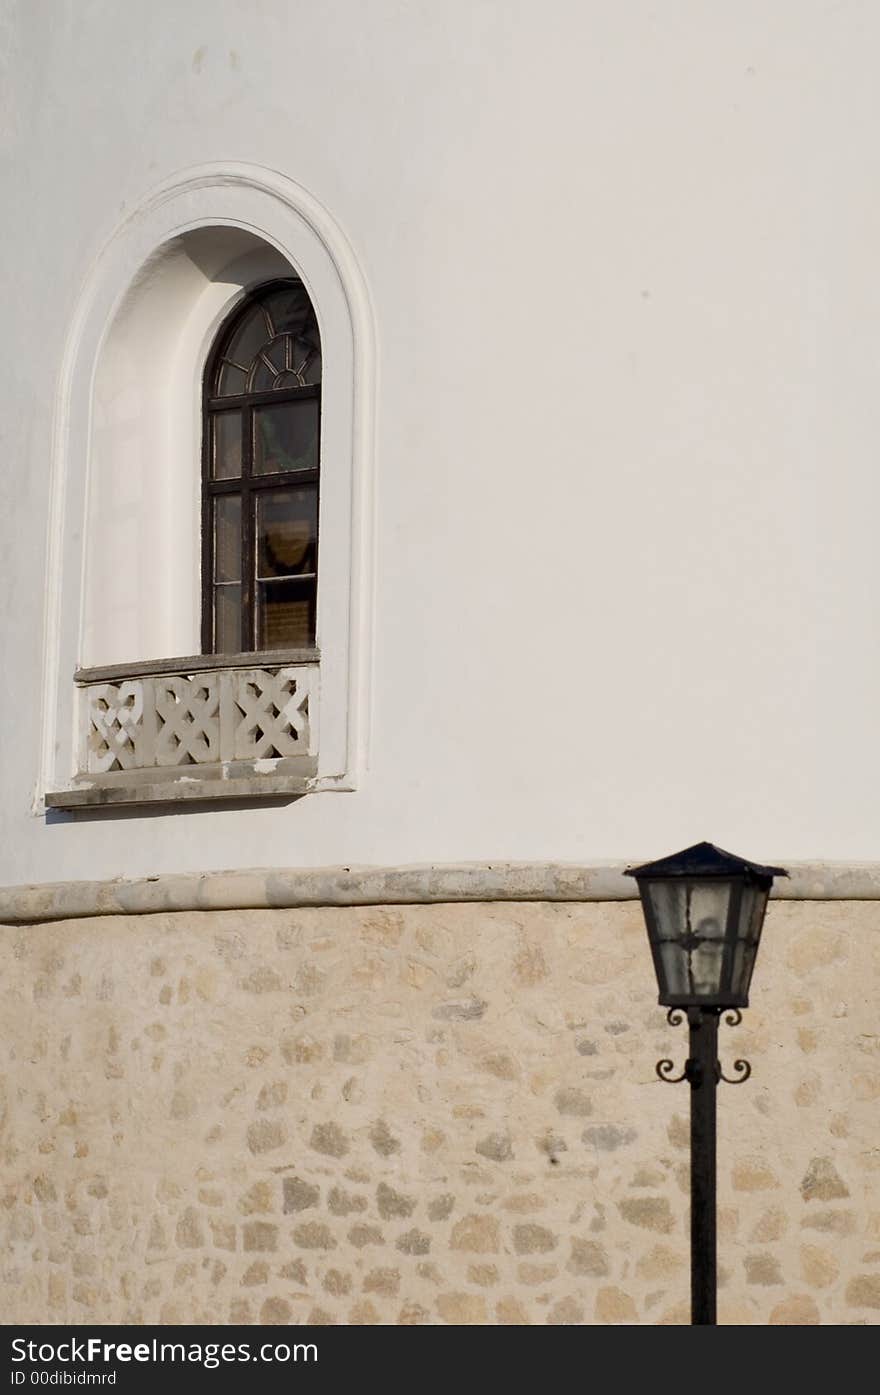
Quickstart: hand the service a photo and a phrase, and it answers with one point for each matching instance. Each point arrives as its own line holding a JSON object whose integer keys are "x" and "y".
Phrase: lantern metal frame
{"x": 705, "y": 863}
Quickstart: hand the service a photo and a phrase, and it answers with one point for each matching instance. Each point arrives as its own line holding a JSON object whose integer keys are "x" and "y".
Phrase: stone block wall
{"x": 425, "y": 1114}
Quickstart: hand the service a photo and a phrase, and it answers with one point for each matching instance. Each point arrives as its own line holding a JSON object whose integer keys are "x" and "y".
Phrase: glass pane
{"x": 266, "y": 369}
{"x": 684, "y": 906}
{"x": 754, "y": 901}
{"x": 706, "y": 961}
{"x": 669, "y": 904}
{"x": 227, "y": 619}
{"x": 743, "y": 964}
{"x": 674, "y": 969}
{"x": 707, "y": 908}
{"x": 301, "y": 359}
{"x": 230, "y": 380}
{"x": 310, "y": 369}
{"x": 292, "y": 312}
{"x": 286, "y": 614}
{"x": 249, "y": 338}
{"x": 692, "y": 913}
{"x": 227, "y": 445}
{"x": 283, "y": 326}
{"x": 227, "y": 537}
{"x": 287, "y": 532}
{"x": 286, "y": 437}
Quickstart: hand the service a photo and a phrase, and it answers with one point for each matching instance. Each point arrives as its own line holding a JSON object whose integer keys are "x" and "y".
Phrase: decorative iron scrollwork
{"x": 664, "y": 1067}
{"x": 733, "y": 1017}
{"x": 675, "y": 1017}
{"x": 693, "y": 1071}
{"x": 744, "y": 1071}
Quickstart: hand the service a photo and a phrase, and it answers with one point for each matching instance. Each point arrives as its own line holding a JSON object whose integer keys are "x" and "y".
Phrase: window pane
{"x": 287, "y": 532}
{"x": 284, "y": 328}
{"x": 286, "y": 437}
{"x": 227, "y": 619}
{"x": 308, "y": 363}
{"x": 230, "y": 380}
{"x": 292, "y": 312}
{"x": 286, "y": 614}
{"x": 301, "y": 359}
{"x": 293, "y": 316}
{"x": 227, "y": 537}
{"x": 267, "y": 367}
{"x": 227, "y": 445}
{"x": 249, "y": 338}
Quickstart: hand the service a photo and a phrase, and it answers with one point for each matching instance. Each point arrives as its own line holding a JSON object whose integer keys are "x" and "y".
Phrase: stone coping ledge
{"x": 184, "y": 784}
{"x": 429, "y": 883}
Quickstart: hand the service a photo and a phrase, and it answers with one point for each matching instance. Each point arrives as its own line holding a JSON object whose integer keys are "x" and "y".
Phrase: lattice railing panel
{"x": 187, "y": 719}
{"x": 271, "y": 715}
{"x": 115, "y": 715}
{"x": 198, "y": 718}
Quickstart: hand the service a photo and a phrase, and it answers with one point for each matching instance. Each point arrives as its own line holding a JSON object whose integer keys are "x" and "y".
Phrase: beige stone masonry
{"x": 440, "y": 1113}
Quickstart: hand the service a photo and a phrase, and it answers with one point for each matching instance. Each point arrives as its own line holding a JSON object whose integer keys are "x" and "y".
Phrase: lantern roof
{"x": 705, "y": 860}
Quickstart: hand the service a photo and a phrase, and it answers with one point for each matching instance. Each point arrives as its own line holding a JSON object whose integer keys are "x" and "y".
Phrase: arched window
{"x": 168, "y": 701}
{"x": 261, "y": 457}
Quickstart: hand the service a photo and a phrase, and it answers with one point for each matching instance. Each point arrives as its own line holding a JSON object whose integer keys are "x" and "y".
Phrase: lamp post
{"x": 704, "y": 910}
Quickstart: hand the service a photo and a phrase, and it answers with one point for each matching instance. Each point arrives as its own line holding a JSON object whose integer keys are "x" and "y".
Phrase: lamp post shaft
{"x": 702, "y": 1075}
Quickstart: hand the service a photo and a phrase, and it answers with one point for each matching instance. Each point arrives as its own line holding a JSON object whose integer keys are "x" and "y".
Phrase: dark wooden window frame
{"x": 249, "y": 486}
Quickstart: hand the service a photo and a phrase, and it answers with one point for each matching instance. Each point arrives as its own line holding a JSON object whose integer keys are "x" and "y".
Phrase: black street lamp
{"x": 704, "y": 909}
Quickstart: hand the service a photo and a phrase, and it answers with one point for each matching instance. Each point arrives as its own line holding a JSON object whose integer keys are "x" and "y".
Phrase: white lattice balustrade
{"x": 199, "y": 719}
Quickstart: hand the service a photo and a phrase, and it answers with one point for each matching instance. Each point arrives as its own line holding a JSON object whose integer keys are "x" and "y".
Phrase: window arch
{"x": 260, "y": 476}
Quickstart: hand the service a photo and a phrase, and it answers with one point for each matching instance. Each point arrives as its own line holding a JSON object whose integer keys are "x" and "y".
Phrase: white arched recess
{"x": 123, "y": 555}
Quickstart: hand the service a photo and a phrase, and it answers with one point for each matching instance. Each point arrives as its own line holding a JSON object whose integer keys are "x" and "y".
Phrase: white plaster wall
{"x": 622, "y": 260}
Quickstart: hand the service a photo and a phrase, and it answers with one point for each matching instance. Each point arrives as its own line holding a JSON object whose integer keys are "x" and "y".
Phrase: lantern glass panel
{"x": 684, "y": 906}
{"x": 743, "y": 963}
{"x": 751, "y": 918}
{"x": 690, "y": 920}
{"x": 674, "y": 966}
{"x": 706, "y": 964}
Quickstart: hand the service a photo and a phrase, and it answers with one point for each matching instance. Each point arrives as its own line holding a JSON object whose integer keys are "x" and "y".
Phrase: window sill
{"x": 231, "y": 727}
{"x": 197, "y": 663}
